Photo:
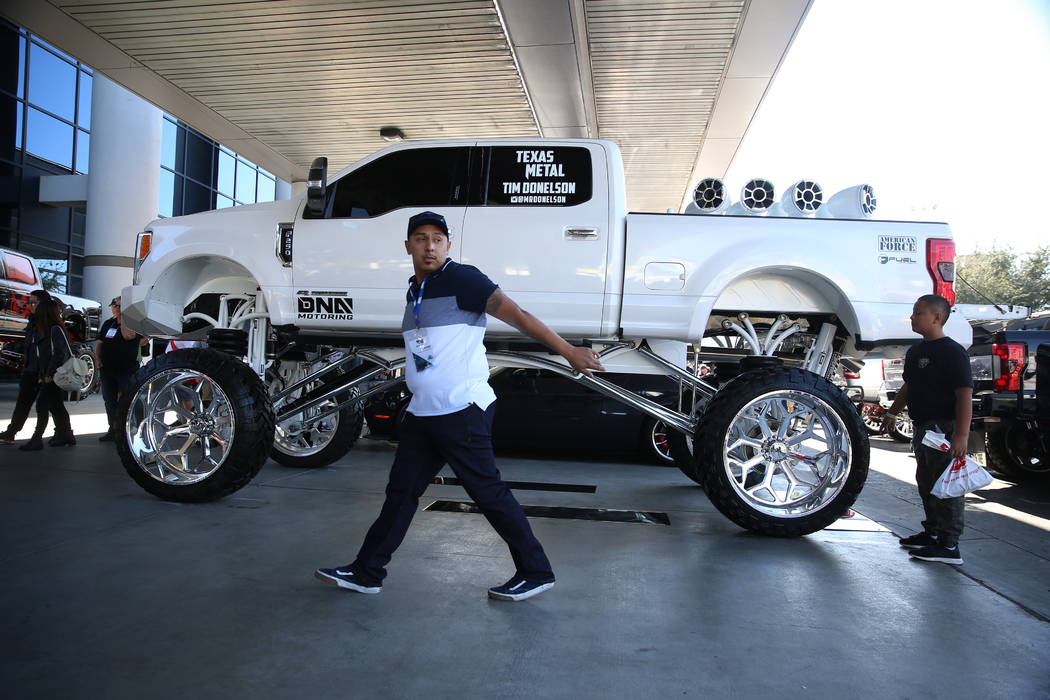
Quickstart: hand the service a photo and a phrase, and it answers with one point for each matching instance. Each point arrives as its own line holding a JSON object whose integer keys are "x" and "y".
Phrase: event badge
{"x": 111, "y": 333}
{"x": 421, "y": 350}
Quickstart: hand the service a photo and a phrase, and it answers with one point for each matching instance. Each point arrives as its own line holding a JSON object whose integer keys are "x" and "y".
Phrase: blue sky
{"x": 941, "y": 105}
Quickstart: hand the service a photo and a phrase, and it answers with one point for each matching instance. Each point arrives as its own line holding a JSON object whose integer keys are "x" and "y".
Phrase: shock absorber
{"x": 229, "y": 340}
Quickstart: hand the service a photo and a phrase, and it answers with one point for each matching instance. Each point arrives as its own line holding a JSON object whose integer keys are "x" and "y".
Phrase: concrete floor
{"x": 109, "y": 592}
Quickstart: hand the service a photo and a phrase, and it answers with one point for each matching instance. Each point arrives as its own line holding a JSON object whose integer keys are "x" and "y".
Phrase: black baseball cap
{"x": 427, "y": 217}
{"x": 115, "y": 301}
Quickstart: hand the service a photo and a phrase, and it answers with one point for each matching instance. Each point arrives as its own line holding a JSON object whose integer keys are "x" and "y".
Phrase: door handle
{"x": 580, "y": 233}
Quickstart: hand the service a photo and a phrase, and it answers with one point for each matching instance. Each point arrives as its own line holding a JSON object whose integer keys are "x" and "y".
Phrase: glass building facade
{"x": 197, "y": 174}
{"x": 45, "y": 129}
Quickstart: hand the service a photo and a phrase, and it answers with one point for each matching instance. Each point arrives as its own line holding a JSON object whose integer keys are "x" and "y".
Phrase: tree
{"x": 1002, "y": 276}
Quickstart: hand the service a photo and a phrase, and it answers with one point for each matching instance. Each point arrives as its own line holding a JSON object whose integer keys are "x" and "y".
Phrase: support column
{"x": 122, "y": 185}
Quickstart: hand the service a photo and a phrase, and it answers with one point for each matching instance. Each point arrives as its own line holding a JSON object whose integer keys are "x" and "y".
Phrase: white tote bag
{"x": 962, "y": 476}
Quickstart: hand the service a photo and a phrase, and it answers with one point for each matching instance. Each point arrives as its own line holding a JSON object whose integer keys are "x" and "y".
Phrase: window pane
{"x": 10, "y": 127}
{"x": 52, "y": 82}
{"x": 21, "y": 67}
{"x": 227, "y": 167}
{"x": 197, "y": 198}
{"x": 168, "y": 139}
{"x": 84, "y": 108}
{"x": 267, "y": 188}
{"x": 49, "y": 138}
{"x": 540, "y": 177}
{"x": 198, "y": 159}
{"x": 83, "y": 150}
{"x": 222, "y": 202}
{"x": 425, "y": 177}
{"x": 166, "y": 193}
{"x": 19, "y": 269}
{"x": 245, "y": 183}
{"x": 53, "y": 275}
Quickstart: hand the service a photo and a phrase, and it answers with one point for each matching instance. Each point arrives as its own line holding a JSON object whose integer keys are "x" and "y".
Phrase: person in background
{"x": 28, "y": 384}
{"x": 52, "y": 349}
{"x": 117, "y": 356}
{"x": 937, "y": 388}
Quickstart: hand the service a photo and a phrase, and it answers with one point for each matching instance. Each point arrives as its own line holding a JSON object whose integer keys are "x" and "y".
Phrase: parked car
{"x": 873, "y": 388}
{"x": 19, "y": 276}
{"x": 1011, "y": 402}
{"x": 539, "y": 409}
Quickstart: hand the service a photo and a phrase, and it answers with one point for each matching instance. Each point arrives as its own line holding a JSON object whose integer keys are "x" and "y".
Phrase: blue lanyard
{"x": 417, "y": 300}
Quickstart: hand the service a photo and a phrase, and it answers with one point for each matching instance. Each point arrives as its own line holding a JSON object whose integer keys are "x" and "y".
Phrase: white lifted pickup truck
{"x": 301, "y": 303}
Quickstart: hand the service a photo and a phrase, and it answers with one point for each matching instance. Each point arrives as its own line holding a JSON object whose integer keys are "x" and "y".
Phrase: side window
{"x": 420, "y": 178}
{"x": 19, "y": 269}
{"x": 553, "y": 176}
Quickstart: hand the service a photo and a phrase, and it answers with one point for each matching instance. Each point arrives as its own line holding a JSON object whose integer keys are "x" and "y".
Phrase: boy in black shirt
{"x": 937, "y": 389}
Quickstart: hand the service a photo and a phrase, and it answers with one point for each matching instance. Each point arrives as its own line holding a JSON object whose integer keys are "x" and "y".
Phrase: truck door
{"x": 350, "y": 268}
{"x": 541, "y": 231}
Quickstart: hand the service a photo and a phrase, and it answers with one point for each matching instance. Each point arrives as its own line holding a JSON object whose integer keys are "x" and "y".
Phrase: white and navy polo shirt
{"x": 454, "y": 373}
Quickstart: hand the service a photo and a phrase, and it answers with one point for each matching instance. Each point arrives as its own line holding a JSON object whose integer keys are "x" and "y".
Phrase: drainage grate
{"x": 525, "y": 485}
{"x": 599, "y": 514}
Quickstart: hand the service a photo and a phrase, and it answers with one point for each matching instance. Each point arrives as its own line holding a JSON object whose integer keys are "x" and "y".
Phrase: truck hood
{"x": 283, "y": 210}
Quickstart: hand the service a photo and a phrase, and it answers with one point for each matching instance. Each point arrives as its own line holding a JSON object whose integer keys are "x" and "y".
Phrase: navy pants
{"x": 112, "y": 384}
{"x": 464, "y": 441}
{"x": 944, "y": 516}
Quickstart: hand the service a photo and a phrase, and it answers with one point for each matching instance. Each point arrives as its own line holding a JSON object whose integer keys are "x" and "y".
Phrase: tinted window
{"x": 19, "y": 269}
{"x": 557, "y": 176}
{"x": 425, "y": 177}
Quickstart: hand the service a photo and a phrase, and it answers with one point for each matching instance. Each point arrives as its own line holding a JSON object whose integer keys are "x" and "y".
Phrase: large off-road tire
{"x": 1018, "y": 452}
{"x": 681, "y": 449}
{"x": 86, "y": 352}
{"x": 197, "y": 426}
{"x": 785, "y": 450}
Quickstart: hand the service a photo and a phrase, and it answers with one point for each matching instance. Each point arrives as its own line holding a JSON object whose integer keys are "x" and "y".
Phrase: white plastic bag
{"x": 962, "y": 476}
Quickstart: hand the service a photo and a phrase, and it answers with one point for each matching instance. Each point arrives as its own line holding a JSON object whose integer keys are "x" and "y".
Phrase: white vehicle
{"x": 302, "y": 301}
{"x": 874, "y": 386}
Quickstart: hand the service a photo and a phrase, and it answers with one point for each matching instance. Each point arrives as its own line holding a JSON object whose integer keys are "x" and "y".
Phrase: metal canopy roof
{"x": 674, "y": 82}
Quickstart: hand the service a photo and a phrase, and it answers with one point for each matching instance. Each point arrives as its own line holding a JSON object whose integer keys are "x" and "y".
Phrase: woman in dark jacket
{"x": 52, "y": 351}
{"x": 28, "y": 385}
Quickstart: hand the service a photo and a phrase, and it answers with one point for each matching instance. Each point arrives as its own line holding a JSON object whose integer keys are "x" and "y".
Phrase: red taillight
{"x": 1007, "y": 377}
{"x": 850, "y": 374}
{"x": 882, "y": 364}
{"x": 940, "y": 263}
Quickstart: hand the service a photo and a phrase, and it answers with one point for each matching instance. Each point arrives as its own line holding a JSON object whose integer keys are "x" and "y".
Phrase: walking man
{"x": 449, "y": 419}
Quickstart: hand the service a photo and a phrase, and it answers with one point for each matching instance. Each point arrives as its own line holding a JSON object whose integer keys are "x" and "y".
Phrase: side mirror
{"x": 316, "y": 181}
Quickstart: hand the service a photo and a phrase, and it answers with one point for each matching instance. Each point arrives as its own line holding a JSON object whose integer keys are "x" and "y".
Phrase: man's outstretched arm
{"x": 500, "y": 306}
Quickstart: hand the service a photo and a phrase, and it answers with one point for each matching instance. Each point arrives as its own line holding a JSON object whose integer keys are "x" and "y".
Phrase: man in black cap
{"x": 117, "y": 359}
{"x": 449, "y": 419}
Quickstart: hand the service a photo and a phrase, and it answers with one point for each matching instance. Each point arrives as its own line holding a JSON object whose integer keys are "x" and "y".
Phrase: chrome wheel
{"x": 89, "y": 359}
{"x": 660, "y": 441}
{"x": 304, "y": 434}
{"x": 180, "y": 425}
{"x": 787, "y": 453}
{"x": 872, "y": 414}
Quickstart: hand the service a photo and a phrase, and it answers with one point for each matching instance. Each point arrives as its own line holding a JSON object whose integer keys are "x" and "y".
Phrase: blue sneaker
{"x": 345, "y": 578}
{"x": 519, "y": 588}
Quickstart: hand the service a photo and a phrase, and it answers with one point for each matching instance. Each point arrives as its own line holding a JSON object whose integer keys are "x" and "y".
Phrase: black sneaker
{"x": 345, "y": 578}
{"x": 937, "y": 552}
{"x": 7, "y": 437}
{"x": 519, "y": 588}
{"x": 107, "y": 436}
{"x": 917, "y": 541}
